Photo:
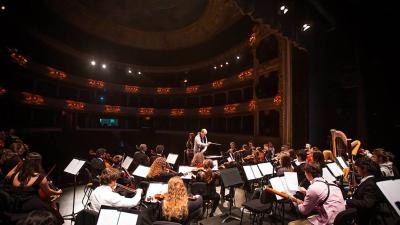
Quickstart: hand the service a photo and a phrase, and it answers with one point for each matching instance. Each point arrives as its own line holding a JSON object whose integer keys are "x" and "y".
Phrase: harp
{"x": 343, "y": 146}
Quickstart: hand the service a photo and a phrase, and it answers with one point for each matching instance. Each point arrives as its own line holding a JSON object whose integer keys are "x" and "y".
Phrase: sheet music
{"x": 186, "y": 169}
{"x": 341, "y": 162}
{"x": 108, "y": 217}
{"x": 127, "y": 162}
{"x": 215, "y": 165}
{"x": 156, "y": 188}
{"x": 291, "y": 181}
{"x": 285, "y": 186}
{"x": 390, "y": 189}
{"x": 256, "y": 172}
{"x": 127, "y": 218}
{"x": 335, "y": 169}
{"x": 249, "y": 173}
{"x": 327, "y": 175}
{"x": 172, "y": 158}
{"x": 276, "y": 184}
{"x": 266, "y": 168}
{"x": 230, "y": 159}
{"x": 141, "y": 171}
{"x": 74, "y": 166}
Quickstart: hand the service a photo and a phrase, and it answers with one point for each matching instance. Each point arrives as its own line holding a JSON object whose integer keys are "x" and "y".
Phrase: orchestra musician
{"x": 105, "y": 193}
{"x": 232, "y": 153}
{"x": 176, "y": 206}
{"x": 159, "y": 153}
{"x": 366, "y": 196}
{"x": 160, "y": 171}
{"x": 324, "y": 198}
{"x": 209, "y": 177}
{"x": 189, "y": 152}
{"x": 200, "y": 141}
{"x": 198, "y": 160}
{"x": 140, "y": 157}
{"x": 299, "y": 168}
{"x": 25, "y": 181}
{"x": 97, "y": 164}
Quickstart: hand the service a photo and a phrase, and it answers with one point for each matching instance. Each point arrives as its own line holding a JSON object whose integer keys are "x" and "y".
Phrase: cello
{"x": 46, "y": 197}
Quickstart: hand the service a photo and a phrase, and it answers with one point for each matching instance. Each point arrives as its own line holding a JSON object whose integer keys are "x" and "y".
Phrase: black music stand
{"x": 73, "y": 168}
{"x": 231, "y": 178}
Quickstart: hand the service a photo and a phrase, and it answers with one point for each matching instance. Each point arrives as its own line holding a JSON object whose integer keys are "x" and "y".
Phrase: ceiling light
{"x": 129, "y": 71}
{"x": 221, "y": 65}
{"x": 283, "y": 7}
{"x": 237, "y": 57}
{"x": 215, "y": 67}
{"x": 104, "y": 66}
{"x": 185, "y": 81}
{"x": 139, "y": 73}
{"x": 3, "y": 7}
{"x": 93, "y": 63}
{"x": 227, "y": 63}
{"x": 285, "y": 11}
{"x": 305, "y": 27}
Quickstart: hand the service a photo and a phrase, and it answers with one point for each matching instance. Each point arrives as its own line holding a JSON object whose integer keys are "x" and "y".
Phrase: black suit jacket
{"x": 366, "y": 200}
{"x": 97, "y": 166}
{"x": 140, "y": 158}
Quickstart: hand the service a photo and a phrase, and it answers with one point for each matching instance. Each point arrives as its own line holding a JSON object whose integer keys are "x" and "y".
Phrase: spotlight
{"x": 93, "y": 63}
{"x": 129, "y": 71}
{"x": 104, "y": 66}
{"x": 221, "y": 65}
{"x": 139, "y": 73}
{"x": 284, "y": 9}
{"x": 226, "y": 63}
{"x": 185, "y": 81}
{"x": 215, "y": 67}
{"x": 305, "y": 27}
{"x": 237, "y": 57}
{"x": 3, "y": 7}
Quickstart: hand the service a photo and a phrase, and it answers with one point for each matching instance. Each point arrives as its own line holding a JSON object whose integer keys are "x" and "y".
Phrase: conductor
{"x": 200, "y": 141}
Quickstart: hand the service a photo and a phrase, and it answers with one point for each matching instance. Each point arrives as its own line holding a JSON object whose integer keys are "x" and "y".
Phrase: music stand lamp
{"x": 73, "y": 168}
{"x": 231, "y": 178}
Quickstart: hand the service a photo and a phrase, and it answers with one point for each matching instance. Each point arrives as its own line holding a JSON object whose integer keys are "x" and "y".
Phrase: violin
{"x": 46, "y": 197}
{"x": 126, "y": 188}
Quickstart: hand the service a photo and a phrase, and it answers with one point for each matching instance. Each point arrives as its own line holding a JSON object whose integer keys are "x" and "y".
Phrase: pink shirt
{"x": 315, "y": 194}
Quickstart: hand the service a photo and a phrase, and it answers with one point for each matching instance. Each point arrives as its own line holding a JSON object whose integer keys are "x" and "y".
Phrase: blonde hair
{"x": 198, "y": 158}
{"x": 159, "y": 165}
{"x": 175, "y": 205}
{"x": 108, "y": 175}
{"x": 328, "y": 155}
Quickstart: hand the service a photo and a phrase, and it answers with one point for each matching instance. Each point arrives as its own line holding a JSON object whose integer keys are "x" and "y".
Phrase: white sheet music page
{"x": 256, "y": 172}
{"x": 156, "y": 188}
{"x": 172, "y": 158}
{"x": 390, "y": 188}
{"x": 276, "y": 184}
{"x": 186, "y": 169}
{"x": 266, "y": 168}
{"x": 327, "y": 175}
{"x": 229, "y": 159}
{"x": 128, "y": 218}
{"x": 215, "y": 165}
{"x": 127, "y": 162}
{"x": 74, "y": 166}
{"x": 285, "y": 186}
{"x": 141, "y": 171}
{"x": 335, "y": 169}
{"x": 249, "y": 173}
{"x": 108, "y": 217}
{"x": 342, "y": 162}
{"x": 291, "y": 181}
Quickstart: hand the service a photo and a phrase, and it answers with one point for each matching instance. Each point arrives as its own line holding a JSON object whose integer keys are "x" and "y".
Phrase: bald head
{"x": 203, "y": 132}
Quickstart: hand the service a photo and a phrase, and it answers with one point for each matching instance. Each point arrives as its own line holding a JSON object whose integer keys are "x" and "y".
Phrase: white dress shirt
{"x": 104, "y": 195}
{"x": 199, "y": 145}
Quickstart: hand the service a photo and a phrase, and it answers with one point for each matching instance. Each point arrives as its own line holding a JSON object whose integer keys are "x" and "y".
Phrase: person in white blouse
{"x": 105, "y": 195}
{"x": 200, "y": 141}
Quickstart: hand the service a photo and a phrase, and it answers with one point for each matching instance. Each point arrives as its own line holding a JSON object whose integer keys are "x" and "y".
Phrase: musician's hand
{"x": 302, "y": 190}
{"x": 59, "y": 192}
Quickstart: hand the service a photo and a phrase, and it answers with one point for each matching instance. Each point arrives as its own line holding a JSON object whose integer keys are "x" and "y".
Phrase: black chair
{"x": 200, "y": 188}
{"x": 165, "y": 223}
{"x": 346, "y": 217}
{"x": 91, "y": 184}
{"x": 86, "y": 217}
{"x": 259, "y": 207}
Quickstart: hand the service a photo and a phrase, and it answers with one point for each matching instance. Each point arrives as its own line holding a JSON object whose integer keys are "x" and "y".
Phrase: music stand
{"x": 109, "y": 215}
{"x": 73, "y": 168}
{"x": 231, "y": 177}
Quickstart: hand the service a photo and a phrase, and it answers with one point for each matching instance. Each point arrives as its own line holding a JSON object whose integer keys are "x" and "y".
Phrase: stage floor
{"x": 240, "y": 197}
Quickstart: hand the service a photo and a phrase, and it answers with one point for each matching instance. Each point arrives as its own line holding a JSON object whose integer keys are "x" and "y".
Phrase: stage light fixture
{"x": 93, "y": 63}
{"x": 3, "y": 7}
{"x": 104, "y": 66}
{"x": 101, "y": 98}
{"x": 226, "y": 63}
{"x": 237, "y": 57}
{"x": 129, "y": 71}
{"x": 221, "y": 65}
{"x": 185, "y": 81}
{"x": 284, "y": 9}
{"x": 140, "y": 73}
{"x": 215, "y": 67}
{"x": 305, "y": 27}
